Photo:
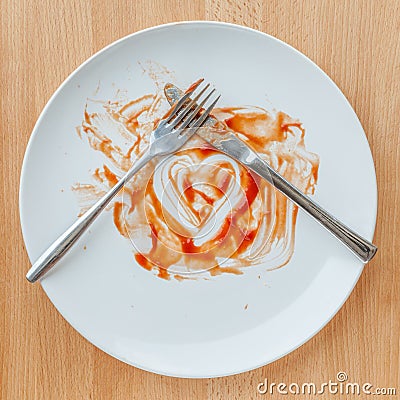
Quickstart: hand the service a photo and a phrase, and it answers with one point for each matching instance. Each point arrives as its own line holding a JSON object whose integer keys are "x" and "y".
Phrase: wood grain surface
{"x": 356, "y": 42}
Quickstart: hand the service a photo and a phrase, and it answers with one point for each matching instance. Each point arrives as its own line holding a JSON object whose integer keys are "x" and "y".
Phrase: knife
{"x": 227, "y": 142}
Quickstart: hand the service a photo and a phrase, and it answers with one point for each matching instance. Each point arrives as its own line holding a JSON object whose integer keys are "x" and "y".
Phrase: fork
{"x": 171, "y": 133}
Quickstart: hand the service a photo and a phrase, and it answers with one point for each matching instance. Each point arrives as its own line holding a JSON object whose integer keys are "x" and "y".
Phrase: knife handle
{"x": 361, "y": 247}
{"x": 64, "y": 242}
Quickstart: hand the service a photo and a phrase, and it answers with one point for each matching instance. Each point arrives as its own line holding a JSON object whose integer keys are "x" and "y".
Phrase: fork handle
{"x": 61, "y": 245}
{"x": 361, "y": 247}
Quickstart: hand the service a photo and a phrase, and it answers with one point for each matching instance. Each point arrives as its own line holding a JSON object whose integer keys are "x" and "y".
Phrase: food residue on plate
{"x": 197, "y": 211}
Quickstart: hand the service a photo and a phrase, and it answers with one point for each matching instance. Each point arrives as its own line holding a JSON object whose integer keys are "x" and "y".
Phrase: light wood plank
{"x": 356, "y": 42}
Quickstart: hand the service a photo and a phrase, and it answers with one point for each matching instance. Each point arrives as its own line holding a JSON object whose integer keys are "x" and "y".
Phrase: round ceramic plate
{"x": 228, "y": 323}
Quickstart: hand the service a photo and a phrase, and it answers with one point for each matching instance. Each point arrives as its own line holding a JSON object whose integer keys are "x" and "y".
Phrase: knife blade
{"x": 227, "y": 142}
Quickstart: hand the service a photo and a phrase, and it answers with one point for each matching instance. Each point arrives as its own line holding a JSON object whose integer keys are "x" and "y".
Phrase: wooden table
{"x": 356, "y": 42}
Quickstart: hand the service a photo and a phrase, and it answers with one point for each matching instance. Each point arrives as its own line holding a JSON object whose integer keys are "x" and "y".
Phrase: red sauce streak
{"x": 143, "y": 261}
{"x": 251, "y": 190}
{"x": 286, "y": 127}
{"x": 188, "y": 246}
{"x": 181, "y": 278}
{"x": 163, "y": 273}
{"x": 204, "y": 151}
{"x": 217, "y": 270}
{"x": 110, "y": 176}
{"x": 252, "y": 187}
{"x": 132, "y": 148}
{"x": 247, "y": 241}
{"x": 194, "y": 85}
{"x": 117, "y": 214}
{"x": 191, "y": 191}
{"x": 224, "y": 230}
{"x": 136, "y": 101}
{"x": 154, "y": 235}
{"x": 132, "y": 194}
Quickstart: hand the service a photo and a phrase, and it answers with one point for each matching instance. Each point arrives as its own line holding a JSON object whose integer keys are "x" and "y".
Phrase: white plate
{"x": 199, "y": 328}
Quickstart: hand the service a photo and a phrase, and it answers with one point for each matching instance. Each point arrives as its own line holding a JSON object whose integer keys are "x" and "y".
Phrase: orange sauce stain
{"x": 263, "y": 211}
{"x": 181, "y": 278}
{"x": 163, "y": 273}
{"x": 110, "y": 176}
{"x": 118, "y": 218}
{"x": 194, "y": 85}
{"x": 188, "y": 246}
{"x": 217, "y": 270}
{"x": 143, "y": 261}
{"x": 247, "y": 241}
{"x": 224, "y": 230}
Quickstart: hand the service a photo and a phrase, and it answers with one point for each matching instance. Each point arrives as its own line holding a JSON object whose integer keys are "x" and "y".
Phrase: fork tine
{"x": 181, "y": 102}
{"x": 194, "y": 113}
{"x": 191, "y": 130}
{"x": 188, "y": 107}
{"x": 198, "y": 122}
